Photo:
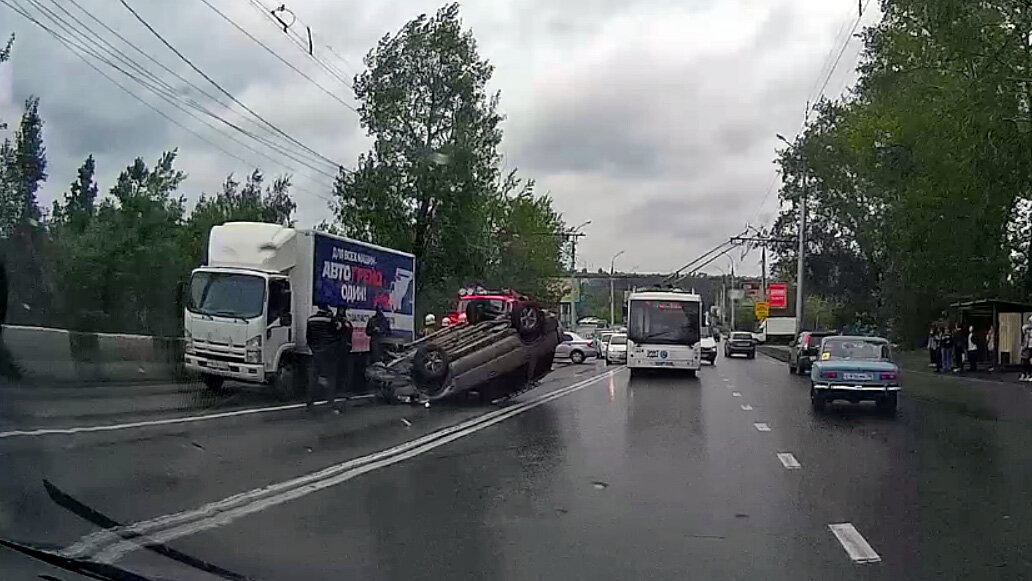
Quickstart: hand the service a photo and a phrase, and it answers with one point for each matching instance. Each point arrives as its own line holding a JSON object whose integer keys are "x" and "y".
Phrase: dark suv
{"x": 740, "y": 342}
{"x": 804, "y": 350}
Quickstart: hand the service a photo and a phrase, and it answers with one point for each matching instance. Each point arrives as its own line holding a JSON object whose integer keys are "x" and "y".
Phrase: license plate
{"x": 218, "y": 365}
{"x": 856, "y": 376}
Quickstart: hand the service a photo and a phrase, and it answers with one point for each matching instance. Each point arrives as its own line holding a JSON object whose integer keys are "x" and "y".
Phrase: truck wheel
{"x": 528, "y": 319}
{"x": 576, "y": 357}
{"x": 430, "y": 363}
{"x": 285, "y": 384}
{"x": 213, "y": 382}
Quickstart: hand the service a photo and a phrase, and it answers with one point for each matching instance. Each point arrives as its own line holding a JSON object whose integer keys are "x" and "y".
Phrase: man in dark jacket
{"x": 344, "y": 362}
{"x": 323, "y": 333}
{"x": 378, "y": 328}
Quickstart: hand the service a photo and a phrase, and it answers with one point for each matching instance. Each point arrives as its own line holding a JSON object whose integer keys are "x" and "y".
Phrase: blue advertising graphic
{"x": 362, "y": 278}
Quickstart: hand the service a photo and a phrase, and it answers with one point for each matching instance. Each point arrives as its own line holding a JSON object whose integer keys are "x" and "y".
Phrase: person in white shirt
{"x": 972, "y": 350}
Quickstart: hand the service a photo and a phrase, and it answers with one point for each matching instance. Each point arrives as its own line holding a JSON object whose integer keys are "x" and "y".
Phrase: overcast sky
{"x": 654, "y": 120}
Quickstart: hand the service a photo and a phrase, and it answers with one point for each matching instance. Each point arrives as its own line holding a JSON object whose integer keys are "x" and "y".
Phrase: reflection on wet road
{"x": 593, "y": 475}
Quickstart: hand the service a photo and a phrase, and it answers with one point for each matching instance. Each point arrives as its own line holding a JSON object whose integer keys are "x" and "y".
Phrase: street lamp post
{"x": 612, "y": 272}
{"x": 799, "y": 298}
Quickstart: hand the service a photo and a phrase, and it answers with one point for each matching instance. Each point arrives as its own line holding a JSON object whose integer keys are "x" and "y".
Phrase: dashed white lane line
{"x": 761, "y": 427}
{"x": 736, "y": 394}
{"x": 854, "y": 543}
{"x": 726, "y": 380}
{"x": 789, "y": 461}
{"x": 746, "y": 407}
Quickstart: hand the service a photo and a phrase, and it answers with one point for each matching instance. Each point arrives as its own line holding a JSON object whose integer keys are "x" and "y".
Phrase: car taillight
{"x": 829, "y": 374}
{"x": 806, "y": 342}
{"x": 888, "y": 376}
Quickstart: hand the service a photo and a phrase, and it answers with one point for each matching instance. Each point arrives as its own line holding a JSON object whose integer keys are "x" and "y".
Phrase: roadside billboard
{"x": 777, "y": 295}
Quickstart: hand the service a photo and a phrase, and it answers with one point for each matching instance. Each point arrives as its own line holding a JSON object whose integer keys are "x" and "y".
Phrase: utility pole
{"x": 612, "y": 273}
{"x": 800, "y": 296}
{"x": 763, "y": 271}
{"x": 732, "y": 295}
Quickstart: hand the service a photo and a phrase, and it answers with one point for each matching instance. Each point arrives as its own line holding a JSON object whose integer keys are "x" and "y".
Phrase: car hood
{"x": 708, "y": 343}
{"x": 853, "y": 365}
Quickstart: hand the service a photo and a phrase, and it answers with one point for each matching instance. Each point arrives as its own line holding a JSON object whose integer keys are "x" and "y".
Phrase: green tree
{"x": 254, "y": 202}
{"x": 79, "y": 205}
{"x": 429, "y": 183}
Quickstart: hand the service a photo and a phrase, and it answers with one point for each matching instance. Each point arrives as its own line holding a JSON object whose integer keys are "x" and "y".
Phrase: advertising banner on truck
{"x": 362, "y": 277}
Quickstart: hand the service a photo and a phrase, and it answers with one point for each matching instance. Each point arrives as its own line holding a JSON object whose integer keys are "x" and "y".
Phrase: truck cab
{"x": 238, "y": 323}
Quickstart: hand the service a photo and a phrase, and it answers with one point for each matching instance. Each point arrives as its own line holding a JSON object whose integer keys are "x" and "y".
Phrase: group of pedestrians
{"x": 330, "y": 339}
{"x": 949, "y": 347}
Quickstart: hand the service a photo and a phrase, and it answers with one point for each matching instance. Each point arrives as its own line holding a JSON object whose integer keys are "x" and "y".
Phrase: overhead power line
{"x": 15, "y": 6}
{"x": 841, "y": 52}
{"x": 275, "y": 54}
{"x": 216, "y": 84}
{"x": 287, "y": 148}
{"x": 158, "y": 86}
{"x": 305, "y": 44}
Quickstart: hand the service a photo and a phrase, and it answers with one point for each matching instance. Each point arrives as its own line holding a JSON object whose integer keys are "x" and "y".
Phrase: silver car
{"x": 575, "y": 348}
{"x": 616, "y": 349}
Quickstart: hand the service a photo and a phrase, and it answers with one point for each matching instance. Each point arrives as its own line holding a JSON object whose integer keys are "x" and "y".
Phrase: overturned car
{"x": 501, "y": 350}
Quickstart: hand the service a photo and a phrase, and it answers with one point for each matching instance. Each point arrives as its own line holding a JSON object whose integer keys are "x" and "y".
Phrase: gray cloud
{"x": 655, "y": 121}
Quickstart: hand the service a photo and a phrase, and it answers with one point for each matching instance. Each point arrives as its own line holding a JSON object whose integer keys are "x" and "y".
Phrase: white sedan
{"x": 575, "y": 348}
{"x": 616, "y": 350}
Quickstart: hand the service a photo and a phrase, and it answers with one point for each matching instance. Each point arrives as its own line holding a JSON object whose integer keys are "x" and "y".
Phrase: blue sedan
{"x": 855, "y": 369}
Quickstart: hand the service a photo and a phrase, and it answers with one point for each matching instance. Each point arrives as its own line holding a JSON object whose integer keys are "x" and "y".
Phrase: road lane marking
{"x": 746, "y": 407}
{"x": 164, "y": 422}
{"x": 736, "y": 394}
{"x": 789, "y": 461}
{"x": 726, "y": 380}
{"x": 854, "y": 543}
{"x": 762, "y": 427}
{"x": 109, "y": 544}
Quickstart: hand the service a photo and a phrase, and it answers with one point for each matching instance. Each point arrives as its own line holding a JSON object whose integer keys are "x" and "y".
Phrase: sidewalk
{"x": 991, "y": 395}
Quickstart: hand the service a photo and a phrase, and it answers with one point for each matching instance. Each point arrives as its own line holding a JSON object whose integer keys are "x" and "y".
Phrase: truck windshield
{"x": 227, "y": 294}
{"x": 664, "y": 322}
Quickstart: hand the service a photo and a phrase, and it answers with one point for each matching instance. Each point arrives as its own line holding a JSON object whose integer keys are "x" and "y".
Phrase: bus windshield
{"x": 664, "y": 322}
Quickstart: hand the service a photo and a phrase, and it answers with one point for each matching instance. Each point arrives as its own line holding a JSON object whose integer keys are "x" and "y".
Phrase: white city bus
{"x": 663, "y": 328}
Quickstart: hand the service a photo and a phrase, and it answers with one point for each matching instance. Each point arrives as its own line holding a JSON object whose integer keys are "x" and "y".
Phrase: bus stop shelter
{"x": 1007, "y": 317}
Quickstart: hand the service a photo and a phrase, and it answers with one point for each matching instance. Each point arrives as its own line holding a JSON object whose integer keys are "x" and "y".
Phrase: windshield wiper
{"x": 227, "y": 314}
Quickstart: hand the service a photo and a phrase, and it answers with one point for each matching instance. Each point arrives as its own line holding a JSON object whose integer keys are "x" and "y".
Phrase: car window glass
{"x": 567, "y": 337}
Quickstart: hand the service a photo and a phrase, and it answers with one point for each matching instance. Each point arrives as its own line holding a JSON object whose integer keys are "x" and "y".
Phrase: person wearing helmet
{"x": 429, "y": 325}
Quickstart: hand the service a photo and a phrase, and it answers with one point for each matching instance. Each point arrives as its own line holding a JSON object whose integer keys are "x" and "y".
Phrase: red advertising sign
{"x": 777, "y": 293}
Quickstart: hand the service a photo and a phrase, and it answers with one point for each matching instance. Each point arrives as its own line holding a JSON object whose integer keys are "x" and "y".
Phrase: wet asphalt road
{"x": 656, "y": 477}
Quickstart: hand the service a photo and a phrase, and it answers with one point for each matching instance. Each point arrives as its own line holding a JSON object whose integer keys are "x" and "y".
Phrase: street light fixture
{"x": 612, "y": 272}
{"x": 799, "y": 300}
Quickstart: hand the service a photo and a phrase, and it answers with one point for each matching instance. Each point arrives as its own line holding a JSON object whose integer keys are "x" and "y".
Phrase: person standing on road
{"x": 946, "y": 350}
{"x": 323, "y": 333}
{"x": 933, "y": 347}
{"x": 1026, "y": 351}
{"x": 959, "y": 348}
{"x": 344, "y": 361}
{"x": 378, "y": 328}
{"x": 429, "y": 325}
{"x": 972, "y": 350}
{"x": 990, "y": 347}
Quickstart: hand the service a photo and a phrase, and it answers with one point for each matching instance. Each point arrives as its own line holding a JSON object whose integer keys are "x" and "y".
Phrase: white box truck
{"x": 247, "y": 307}
{"x": 779, "y": 330}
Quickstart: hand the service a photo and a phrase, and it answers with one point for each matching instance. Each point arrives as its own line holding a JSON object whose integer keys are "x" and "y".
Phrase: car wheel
{"x": 691, "y": 373}
{"x": 576, "y": 357}
{"x": 792, "y": 369}
{"x": 528, "y": 319}
{"x": 430, "y": 363}
{"x": 213, "y": 382}
{"x": 888, "y": 404}
{"x": 752, "y": 355}
{"x": 817, "y": 401}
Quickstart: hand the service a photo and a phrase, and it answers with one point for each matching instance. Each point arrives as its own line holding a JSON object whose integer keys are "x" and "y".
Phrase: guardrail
{"x": 46, "y": 354}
